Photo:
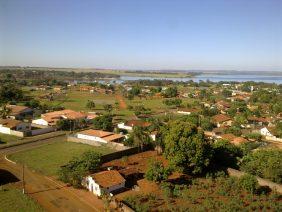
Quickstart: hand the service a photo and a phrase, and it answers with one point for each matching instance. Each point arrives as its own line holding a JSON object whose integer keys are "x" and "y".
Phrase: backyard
{"x": 48, "y": 158}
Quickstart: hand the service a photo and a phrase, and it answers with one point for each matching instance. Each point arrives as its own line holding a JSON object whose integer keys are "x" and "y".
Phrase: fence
{"x": 113, "y": 145}
{"x": 273, "y": 138}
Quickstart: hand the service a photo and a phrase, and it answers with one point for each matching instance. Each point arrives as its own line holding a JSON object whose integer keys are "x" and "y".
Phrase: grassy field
{"x": 47, "y": 159}
{"x": 12, "y": 199}
{"x": 4, "y": 138}
{"x": 76, "y": 100}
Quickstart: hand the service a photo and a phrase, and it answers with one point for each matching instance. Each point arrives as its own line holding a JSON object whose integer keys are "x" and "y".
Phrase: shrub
{"x": 157, "y": 172}
{"x": 249, "y": 183}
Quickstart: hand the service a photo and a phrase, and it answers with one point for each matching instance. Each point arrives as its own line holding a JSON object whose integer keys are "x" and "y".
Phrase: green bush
{"x": 249, "y": 183}
{"x": 78, "y": 167}
{"x": 264, "y": 163}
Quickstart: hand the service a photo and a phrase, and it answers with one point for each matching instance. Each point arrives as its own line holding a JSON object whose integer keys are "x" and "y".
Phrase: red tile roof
{"x": 139, "y": 123}
{"x": 108, "y": 179}
{"x": 221, "y": 118}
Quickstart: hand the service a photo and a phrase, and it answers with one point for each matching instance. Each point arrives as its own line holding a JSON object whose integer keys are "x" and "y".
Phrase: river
{"x": 213, "y": 77}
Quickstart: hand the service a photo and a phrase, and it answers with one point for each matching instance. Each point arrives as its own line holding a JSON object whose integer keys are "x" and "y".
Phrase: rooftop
{"x": 108, "y": 179}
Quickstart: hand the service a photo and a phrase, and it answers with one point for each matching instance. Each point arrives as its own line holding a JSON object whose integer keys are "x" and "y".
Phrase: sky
{"x": 143, "y": 34}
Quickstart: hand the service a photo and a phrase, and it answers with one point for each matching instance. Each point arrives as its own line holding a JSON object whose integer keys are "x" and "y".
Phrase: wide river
{"x": 214, "y": 78}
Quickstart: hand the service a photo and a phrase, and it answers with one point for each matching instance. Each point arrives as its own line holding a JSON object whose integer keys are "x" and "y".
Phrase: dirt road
{"x": 122, "y": 104}
{"x": 51, "y": 194}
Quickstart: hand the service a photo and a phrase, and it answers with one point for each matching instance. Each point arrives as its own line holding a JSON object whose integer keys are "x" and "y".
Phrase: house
{"x": 8, "y": 126}
{"x": 19, "y": 112}
{"x": 266, "y": 132}
{"x": 187, "y": 111}
{"x": 133, "y": 123}
{"x": 258, "y": 121}
{"x": 223, "y": 105}
{"x": 222, "y": 120}
{"x": 50, "y": 119}
{"x": 233, "y": 139}
{"x": 105, "y": 181}
{"x": 100, "y": 136}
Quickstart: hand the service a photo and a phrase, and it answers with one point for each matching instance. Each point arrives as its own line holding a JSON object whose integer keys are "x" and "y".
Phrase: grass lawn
{"x": 48, "y": 158}
{"x": 4, "y": 138}
{"x": 12, "y": 199}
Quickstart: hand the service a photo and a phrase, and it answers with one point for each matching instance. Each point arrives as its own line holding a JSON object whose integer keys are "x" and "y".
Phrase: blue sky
{"x": 153, "y": 34}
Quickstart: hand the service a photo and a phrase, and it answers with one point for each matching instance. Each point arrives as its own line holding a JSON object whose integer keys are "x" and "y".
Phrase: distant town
{"x": 85, "y": 140}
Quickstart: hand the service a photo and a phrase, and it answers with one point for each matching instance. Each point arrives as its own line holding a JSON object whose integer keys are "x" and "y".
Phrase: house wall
{"x": 42, "y": 131}
{"x": 95, "y": 188}
{"x": 17, "y": 133}
{"x": 5, "y": 130}
{"x": 122, "y": 126}
{"x": 91, "y": 138}
{"x": 183, "y": 112}
{"x": 40, "y": 122}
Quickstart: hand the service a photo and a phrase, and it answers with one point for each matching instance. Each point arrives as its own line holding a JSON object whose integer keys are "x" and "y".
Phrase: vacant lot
{"x": 47, "y": 159}
{"x": 12, "y": 199}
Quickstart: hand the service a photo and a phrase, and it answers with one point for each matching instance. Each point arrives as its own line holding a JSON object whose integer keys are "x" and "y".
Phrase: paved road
{"x": 48, "y": 192}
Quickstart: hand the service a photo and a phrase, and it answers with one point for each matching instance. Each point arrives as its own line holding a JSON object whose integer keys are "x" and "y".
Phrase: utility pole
{"x": 23, "y": 181}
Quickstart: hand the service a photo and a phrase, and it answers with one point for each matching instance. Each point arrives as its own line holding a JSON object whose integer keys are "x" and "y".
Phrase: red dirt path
{"x": 122, "y": 104}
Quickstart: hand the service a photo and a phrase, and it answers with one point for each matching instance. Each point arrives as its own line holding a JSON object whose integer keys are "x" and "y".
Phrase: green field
{"x": 76, "y": 100}
{"x": 48, "y": 158}
{"x": 4, "y": 138}
{"x": 12, "y": 199}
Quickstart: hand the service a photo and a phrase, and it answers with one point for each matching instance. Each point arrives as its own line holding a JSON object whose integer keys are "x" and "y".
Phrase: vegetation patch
{"x": 12, "y": 199}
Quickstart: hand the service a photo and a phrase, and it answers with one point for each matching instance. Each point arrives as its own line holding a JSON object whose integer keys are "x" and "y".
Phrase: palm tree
{"x": 5, "y": 111}
{"x": 140, "y": 137}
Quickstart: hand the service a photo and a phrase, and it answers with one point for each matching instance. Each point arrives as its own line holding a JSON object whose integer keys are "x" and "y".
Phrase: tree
{"x": 265, "y": 163}
{"x": 90, "y": 104}
{"x": 9, "y": 92}
{"x": 5, "y": 111}
{"x": 108, "y": 107}
{"x": 103, "y": 123}
{"x": 139, "y": 137}
{"x": 206, "y": 124}
{"x": 186, "y": 148}
{"x": 156, "y": 172}
{"x": 65, "y": 124}
{"x": 74, "y": 171}
{"x": 170, "y": 92}
{"x": 226, "y": 154}
{"x": 249, "y": 183}
{"x": 226, "y": 93}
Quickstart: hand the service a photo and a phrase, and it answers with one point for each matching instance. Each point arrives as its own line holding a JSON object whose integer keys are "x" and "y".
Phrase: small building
{"x": 19, "y": 112}
{"x": 50, "y": 119}
{"x": 187, "y": 111}
{"x": 266, "y": 132}
{"x": 133, "y": 123}
{"x": 105, "y": 181}
{"x": 8, "y": 126}
{"x": 100, "y": 136}
{"x": 222, "y": 120}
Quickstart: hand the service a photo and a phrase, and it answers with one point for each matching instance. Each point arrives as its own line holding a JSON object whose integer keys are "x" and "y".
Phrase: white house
{"x": 105, "y": 181}
{"x": 133, "y": 123}
{"x": 99, "y": 136}
{"x": 8, "y": 126}
{"x": 50, "y": 119}
{"x": 264, "y": 131}
{"x": 187, "y": 111}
